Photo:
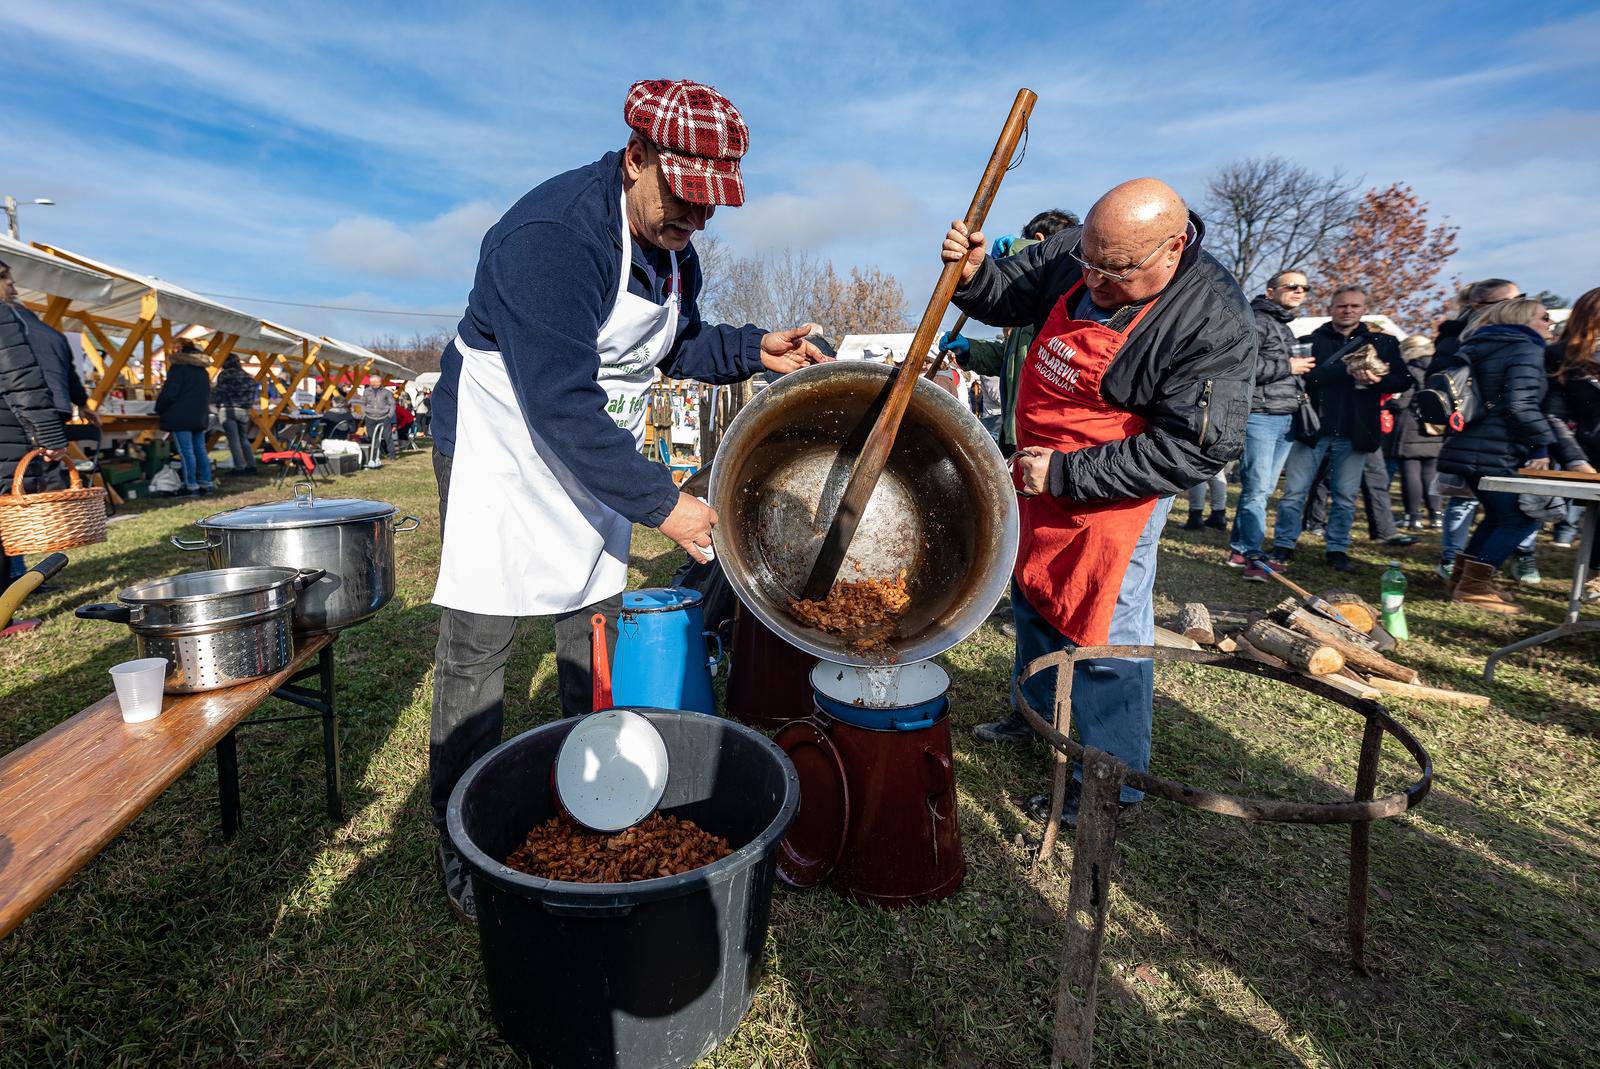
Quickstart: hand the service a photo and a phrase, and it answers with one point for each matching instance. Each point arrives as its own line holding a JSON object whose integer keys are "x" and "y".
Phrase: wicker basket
{"x": 54, "y": 519}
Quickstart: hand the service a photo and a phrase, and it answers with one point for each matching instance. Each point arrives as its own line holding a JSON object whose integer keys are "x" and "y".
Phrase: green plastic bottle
{"x": 1392, "y": 602}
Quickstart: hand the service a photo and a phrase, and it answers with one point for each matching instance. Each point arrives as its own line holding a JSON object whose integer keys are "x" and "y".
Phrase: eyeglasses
{"x": 1116, "y": 276}
{"x": 1296, "y": 287}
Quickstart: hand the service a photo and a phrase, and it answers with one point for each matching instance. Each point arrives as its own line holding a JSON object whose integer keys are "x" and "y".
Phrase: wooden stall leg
{"x": 1360, "y": 836}
{"x": 1088, "y": 902}
{"x": 330, "y": 736}
{"x": 228, "y": 782}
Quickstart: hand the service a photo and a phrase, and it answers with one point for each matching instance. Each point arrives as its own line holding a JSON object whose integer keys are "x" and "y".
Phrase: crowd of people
{"x": 1340, "y": 412}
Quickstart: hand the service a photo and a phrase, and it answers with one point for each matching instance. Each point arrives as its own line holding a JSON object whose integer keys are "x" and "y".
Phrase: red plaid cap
{"x": 701, "y": 136}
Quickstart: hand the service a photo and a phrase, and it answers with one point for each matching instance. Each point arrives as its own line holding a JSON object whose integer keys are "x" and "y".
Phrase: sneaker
{"x": 1525, "y": 569}
{"x": 1013, "y": 729}
{"x": 1400, "y": 540}
{"x": 1341, "y": 562}
{"x": 1437, "y": 523}
{"x": 1317, "y": 530}
{"x": 457, "y": 886}
{"x": 1254, "y": 573}
{"x": 1445, "y": 570}
{"x": 1218, "y": 520}
{"x": 1563, "y": 537}
{"x": 1194, "y": 522}
{"x": 1038, "y": 807}
{"x": 1008, "y": 628}
{"x": 1237, "y": 560}
{"x": 1280, "y": 558}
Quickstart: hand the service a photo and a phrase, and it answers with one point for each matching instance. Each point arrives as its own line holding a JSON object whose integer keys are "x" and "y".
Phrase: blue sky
{"x": 354, "y": 153}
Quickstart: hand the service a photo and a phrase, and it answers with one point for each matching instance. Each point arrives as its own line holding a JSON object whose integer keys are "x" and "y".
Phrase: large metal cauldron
{"x": 944, "y": 510}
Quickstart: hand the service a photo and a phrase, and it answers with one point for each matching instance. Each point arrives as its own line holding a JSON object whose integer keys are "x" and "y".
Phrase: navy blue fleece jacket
{"x": 546, "y": 282}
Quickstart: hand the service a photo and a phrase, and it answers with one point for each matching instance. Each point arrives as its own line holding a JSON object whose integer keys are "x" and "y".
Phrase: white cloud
{"x": 440, "y": 248}
{"x": 851, "y": 202}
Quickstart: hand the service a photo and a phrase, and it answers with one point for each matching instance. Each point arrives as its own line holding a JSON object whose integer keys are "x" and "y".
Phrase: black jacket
{"x": 1277, "y": 389}
{"x": 1348, "y": 409}
{"x": 1508, "y": 370}
{"x": 1574, "y": 410}
{"x": 1408, "y": 442}
{"x": 234, "y": 388}
{"x": 1448, "y": 340}
{"x": 184, "y": 403}
{"x": 1188, "y": 368}
{"x": 54, "y": 353}
{"x": 28, "y": 416}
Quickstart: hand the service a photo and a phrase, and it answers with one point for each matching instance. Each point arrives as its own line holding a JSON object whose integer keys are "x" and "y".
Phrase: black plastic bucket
{"x": 646, "y": 975}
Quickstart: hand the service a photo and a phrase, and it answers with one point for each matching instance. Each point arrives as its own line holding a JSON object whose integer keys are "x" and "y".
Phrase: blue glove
{"x": 954, "y": 343}
{"x": 1002, "y": 245}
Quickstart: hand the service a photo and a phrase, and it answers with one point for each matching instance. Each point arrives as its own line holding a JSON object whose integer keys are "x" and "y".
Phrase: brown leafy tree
{"x": 1392, "y": 253}
{"x": 870, "y": 301}
{"x": 1266, "y": 214}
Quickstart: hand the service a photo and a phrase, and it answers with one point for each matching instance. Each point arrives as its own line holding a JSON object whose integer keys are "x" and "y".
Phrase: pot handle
{"x": 714, "y": 661}
{"x": 178, "y": 542}
{"x": 308, "y": 576}
{"x": 571, "y": 909}
{"x": 400, "y": 525}
{"x": 117, "y": 614}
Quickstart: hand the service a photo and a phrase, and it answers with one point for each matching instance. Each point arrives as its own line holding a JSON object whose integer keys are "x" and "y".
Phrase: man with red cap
{"x": 584, "y": 290}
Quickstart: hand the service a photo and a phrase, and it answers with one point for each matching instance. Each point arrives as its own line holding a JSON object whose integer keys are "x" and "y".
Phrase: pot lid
{"x": 659, "y": 599}
{"x": 305, "y": 509}
{"x": 813, "y": 844}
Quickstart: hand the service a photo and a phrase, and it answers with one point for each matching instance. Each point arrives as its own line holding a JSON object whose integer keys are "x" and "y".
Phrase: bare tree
{"x": 420, "y": 352}
{"x": 1266, "y": 214}
{"x": 792, "y": 279}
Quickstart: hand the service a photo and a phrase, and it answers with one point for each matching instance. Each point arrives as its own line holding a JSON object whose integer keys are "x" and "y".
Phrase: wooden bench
{"x": 66, "y": 794}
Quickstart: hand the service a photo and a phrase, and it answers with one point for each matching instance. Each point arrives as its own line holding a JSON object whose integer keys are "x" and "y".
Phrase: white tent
{"x": 40, "y": 276}
{"x": 1306, "y": 324}
{"x": 360, "y": 354}
{"x": 128, "y": 289}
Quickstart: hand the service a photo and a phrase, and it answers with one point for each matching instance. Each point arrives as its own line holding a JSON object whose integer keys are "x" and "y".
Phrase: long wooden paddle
{"x": 869, "y": 462}
{"x": 938, "y": 362}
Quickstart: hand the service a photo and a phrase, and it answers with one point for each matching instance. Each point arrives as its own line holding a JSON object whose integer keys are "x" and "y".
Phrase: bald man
{"x": 1136, "y": 387}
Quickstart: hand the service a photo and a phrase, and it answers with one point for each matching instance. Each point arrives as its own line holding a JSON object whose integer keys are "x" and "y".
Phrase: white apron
{"x": 524, "y": 537}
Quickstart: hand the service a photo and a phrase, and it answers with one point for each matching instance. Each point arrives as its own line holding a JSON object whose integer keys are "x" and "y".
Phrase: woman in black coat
{"x": 184, "y": 405}
{"x": 1417, "y": 451}
{"x": 1504, "y": 345}
{"x": 28, "y": 416}
{"x": 1573, "y": 400}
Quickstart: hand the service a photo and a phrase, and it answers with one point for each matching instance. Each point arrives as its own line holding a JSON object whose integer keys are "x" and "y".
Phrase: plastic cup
{"x": 139, "y": 687}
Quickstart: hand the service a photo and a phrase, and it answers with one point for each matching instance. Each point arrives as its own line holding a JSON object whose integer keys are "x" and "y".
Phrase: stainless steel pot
{"x": 350, "y": 539}
{"x": 215, "y": 628}
{"x": 944, "y": 511}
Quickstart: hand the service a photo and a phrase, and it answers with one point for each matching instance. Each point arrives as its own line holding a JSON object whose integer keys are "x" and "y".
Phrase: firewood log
{"x": 1194, "y": 621}
{"x": 1300, "y": 651}
{"x": 1369, "y": 662}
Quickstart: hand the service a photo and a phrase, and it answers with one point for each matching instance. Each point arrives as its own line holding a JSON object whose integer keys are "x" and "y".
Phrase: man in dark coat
{"x": 28, "y": 417}
{"x": 1268, "y": 432}
{"x": 1137, "y": 387}
{"x": 1347, "y": 399}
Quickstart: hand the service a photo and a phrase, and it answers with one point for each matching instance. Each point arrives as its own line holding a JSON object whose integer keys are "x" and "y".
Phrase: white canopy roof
{"x": 172, "y": 300}
{"x": 40, "y": 276}
{"x": 1306, "y": 324}
{"x": 361, "y": 354}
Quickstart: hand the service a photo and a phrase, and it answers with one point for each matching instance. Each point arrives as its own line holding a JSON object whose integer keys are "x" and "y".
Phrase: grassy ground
{"x": 304, "y": 943}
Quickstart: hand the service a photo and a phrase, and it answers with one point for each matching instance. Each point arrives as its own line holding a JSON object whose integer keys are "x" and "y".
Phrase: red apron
{"x": 1073, "y": 554}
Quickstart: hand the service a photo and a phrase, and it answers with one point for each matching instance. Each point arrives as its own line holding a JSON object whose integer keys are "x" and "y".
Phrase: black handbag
{"x": 1307, "y": 425}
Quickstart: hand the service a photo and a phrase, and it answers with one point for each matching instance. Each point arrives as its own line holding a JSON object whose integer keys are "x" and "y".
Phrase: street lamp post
{"x": 11, "y": 206}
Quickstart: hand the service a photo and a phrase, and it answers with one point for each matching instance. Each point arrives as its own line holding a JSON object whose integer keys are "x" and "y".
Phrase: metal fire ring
{"x": 1088, "y": 894}
{"x": 1265, "y": 809}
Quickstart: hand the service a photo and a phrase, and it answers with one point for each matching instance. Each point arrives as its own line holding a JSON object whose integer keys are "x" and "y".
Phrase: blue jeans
{"x": 1344, "y": 479}
{"x": 192, "y": 452}
{"x": 1111, "y": 696}
{"x": 1266, "y": 447}
{"x": 1500, "y": 531}
{"x": 1458, "y": 513}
